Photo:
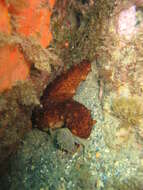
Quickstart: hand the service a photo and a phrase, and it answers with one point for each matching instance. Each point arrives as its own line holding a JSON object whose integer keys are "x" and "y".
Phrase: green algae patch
{"x": 128, "y": 110}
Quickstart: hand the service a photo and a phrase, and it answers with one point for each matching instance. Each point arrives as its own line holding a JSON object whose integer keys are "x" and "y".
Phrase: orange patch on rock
{"x": 4, "y": 19}
{"x": 33, "y": 19}
{"x": 13, "y": 67}
{"x": 27, "y": 18}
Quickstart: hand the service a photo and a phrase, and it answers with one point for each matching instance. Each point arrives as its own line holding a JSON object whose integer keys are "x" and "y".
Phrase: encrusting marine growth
{"x": 21, "y": 19}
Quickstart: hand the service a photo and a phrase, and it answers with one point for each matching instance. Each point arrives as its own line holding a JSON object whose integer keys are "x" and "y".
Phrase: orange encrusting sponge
{"x": 33, "y": 19}
{"x": 13, "y": 66}
{"x": 4, "y": 19}
{"x": 24, "y": 18}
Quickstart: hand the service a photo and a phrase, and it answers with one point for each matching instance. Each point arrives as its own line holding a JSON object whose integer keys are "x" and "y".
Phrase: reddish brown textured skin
{"x": 71, "y": 114}
{"x": 60, "y": 110}
{"x": 51, "y": 115}
{"x": 64, "y": 86}
{"x": 78, "y": 119}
